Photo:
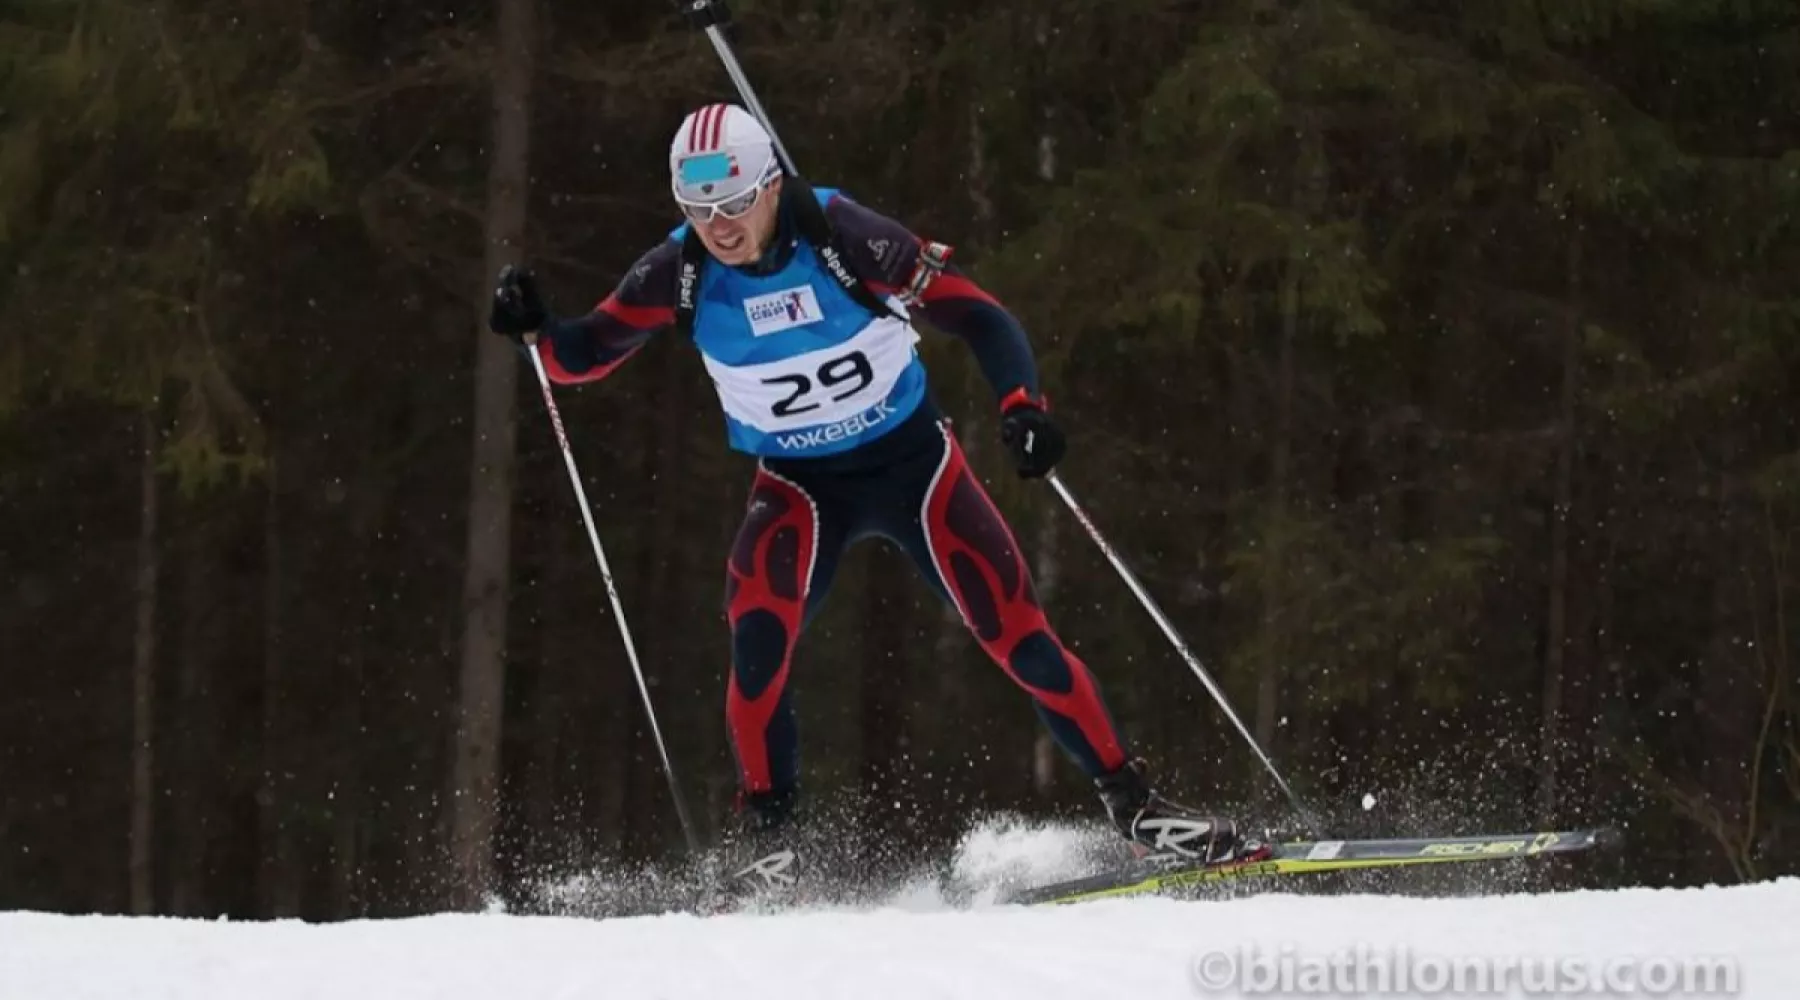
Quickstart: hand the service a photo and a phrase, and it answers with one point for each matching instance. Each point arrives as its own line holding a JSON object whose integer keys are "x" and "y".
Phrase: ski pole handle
{"x": 711, "y": 16}
{"x": 705, "y": 14}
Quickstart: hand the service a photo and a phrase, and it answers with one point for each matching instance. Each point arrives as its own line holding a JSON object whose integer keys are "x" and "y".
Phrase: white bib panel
{"x": 818, "y": 387}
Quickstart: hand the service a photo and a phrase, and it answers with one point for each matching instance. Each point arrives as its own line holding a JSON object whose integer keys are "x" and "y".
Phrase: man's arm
{"x": 588, "y": 348}
{"x": 894, "y": 261}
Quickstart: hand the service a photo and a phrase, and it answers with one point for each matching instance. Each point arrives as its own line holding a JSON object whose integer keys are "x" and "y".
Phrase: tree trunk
{"x": 625, "y": 791}
{"x": 881, "y": 715}
{"x": 546, "y": 707}
{"x": 1387, "y": 681}
{"x": 278, "y": 892}
{"x": 951, "y": 644}
{"x": 662, "y": 585}
{"x": 195, "y": 778}
{"x": 1563, "y": 492}
{"x": 1727, "y": 702}
{"x": 1310, "y": 189}
{"x": 1274, "y": 583}
{"x": 143, "y": 682}
{"x": 348, "y": 800}
{"x": 980, "y": 178}
{"x": 1046, "y": 144}
{"x": 475, "y": 761}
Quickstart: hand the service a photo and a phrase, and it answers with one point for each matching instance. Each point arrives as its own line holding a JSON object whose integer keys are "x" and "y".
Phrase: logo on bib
{"x": 782, "y": 310}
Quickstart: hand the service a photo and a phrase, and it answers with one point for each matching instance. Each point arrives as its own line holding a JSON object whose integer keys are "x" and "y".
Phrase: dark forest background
{"x": 1435, "y": 365}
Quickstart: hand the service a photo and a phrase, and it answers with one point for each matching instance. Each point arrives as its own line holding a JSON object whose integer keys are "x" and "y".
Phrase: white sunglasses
{"x": 734, "y": 207}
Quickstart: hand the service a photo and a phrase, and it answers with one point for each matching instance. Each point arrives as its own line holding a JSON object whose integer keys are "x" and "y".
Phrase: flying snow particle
{"x": 1368, "y": 801}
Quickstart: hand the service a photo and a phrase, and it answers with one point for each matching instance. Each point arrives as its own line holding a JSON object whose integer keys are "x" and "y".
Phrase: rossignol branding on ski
{"x": 771, "y": 869}
{"x": 1177, "y": 836}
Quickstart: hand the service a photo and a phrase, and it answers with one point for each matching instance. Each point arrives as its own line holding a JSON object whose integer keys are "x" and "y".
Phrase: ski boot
{"x": 1160, "y": 829}
{"x": 759, "y": 860}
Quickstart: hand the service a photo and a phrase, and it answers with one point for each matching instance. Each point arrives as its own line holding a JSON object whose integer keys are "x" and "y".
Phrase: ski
{"x": 1162, "y": 873}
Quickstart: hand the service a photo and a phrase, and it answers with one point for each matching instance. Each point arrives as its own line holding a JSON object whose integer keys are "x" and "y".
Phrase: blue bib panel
{"x": 801, "y": 369}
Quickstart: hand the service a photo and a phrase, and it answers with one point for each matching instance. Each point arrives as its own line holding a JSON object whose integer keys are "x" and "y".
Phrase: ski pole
{"x": 612, "y": 592}
{"x": 711, "y": 16}
{"x": 1181, "y": 647}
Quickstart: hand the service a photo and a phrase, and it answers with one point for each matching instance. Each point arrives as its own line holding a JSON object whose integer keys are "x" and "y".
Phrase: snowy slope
{"x": 919, "y": 946}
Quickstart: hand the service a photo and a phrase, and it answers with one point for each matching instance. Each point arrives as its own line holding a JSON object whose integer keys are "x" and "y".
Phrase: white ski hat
{"x": 719, "y": 152}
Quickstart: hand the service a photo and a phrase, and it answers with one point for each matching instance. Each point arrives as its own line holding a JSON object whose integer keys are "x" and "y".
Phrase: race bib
{"x": 819, "y": 387}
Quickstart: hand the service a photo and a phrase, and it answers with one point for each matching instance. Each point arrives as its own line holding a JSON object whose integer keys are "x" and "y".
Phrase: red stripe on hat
{"x": 697, "y": 129}
{"x": 718, "y": 126}
{"x": 705, "y": 137}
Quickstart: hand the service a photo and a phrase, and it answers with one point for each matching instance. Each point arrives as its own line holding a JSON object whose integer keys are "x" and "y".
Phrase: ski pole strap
{"x": 809, "y": 215}
{"x": 704, "y": 14}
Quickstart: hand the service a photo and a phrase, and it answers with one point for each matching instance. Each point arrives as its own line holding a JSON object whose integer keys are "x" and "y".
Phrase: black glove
{"x": 1034, "y": 440}
{"x": 518, "y": 308}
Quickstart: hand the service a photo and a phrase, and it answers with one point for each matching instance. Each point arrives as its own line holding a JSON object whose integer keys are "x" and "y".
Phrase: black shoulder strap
{"x": 809, "y": 217}
{"x": 687, "y": 281}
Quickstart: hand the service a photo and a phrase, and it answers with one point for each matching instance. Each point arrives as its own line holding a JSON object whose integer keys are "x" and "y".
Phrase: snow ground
{"x": 1742, "y": 941}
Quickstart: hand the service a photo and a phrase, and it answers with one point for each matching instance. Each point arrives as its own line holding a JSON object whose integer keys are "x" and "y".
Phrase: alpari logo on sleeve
{"x": 783, "y": 310}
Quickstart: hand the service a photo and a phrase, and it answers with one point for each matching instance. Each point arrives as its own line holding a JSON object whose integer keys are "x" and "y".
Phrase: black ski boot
{"x": 759, "y": 860}
{"x": 1159, "y": 828}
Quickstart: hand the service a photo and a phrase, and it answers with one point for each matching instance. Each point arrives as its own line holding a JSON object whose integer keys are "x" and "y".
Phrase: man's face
{"x": 741, "y": 240}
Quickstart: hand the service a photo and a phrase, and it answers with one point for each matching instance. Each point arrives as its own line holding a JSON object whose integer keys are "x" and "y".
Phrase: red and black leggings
{"x": 913, "y": 487}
